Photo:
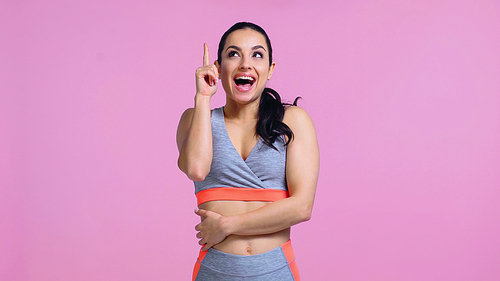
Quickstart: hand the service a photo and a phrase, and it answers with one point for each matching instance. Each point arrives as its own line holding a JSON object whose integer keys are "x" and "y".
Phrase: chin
{"x": 243, "y": 98}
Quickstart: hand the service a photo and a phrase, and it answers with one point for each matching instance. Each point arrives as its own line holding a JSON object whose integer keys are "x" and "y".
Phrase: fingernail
{"x": 196, "y": 210}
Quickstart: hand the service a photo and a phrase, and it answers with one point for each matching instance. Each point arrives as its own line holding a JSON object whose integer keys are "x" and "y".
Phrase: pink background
{"x": 405, "y": 97}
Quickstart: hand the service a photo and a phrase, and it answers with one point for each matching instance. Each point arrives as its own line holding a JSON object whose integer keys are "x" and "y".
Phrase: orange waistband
{"x": 240, "y": 194}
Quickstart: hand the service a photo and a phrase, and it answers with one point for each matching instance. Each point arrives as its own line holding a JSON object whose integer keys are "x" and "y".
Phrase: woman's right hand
{"x": 206, "y": 76}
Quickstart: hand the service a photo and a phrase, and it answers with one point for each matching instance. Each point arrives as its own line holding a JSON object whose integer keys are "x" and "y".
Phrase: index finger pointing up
{"x": 206, "y": 60}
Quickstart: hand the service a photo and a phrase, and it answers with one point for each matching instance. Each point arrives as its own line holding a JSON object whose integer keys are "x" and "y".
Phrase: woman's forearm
{"x": 196, "y": 151}
{"x": 271, "y": 218}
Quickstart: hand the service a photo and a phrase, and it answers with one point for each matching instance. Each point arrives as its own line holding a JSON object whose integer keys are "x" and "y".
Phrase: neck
{"x": 242, "y": 112}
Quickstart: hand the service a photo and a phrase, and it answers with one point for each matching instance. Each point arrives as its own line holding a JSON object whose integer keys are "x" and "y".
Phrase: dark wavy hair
{"x": 271, "y": 110}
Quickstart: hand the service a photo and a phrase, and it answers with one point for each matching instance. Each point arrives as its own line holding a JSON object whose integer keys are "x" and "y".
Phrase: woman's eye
{"x": 232, "y": 54}
{"x": 258, "y": 55}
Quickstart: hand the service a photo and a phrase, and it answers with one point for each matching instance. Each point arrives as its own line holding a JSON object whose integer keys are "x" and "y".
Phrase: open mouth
{"x": 244, "y": 81}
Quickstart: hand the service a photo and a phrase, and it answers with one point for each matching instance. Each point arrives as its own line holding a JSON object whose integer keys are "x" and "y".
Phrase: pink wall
{"x": 405, "y": 98}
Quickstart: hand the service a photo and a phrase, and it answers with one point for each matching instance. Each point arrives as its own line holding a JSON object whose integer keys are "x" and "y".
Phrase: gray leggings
{"x": 277, "y": 264}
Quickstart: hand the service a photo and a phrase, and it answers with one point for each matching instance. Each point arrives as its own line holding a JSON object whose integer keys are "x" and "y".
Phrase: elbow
{"x": 302, "y": 209}
{"x": 196, "y": 175}
{"x": 305, "y": 213}
{"x": 196, "y": 169}
{"x": 195, "y": 172}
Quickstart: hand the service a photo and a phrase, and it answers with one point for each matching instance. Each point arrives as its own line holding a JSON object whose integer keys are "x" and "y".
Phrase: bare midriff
{"x": 245, "y": 244}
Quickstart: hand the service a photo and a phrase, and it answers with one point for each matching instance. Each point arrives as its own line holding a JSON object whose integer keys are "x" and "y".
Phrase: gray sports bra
{"x": 263, "y": 169}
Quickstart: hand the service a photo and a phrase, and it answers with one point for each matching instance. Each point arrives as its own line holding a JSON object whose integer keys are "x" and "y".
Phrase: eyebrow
{"x": 253, "y": 48}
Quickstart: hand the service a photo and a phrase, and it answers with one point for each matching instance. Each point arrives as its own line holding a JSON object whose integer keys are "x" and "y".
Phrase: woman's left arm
{"x": 302, "y": 167}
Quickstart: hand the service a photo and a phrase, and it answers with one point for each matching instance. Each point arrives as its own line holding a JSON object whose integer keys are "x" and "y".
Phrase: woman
{"x": 254, "y": 163}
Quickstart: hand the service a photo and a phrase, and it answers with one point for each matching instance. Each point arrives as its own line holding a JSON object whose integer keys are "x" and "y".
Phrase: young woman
{"x": 254, "y": 163}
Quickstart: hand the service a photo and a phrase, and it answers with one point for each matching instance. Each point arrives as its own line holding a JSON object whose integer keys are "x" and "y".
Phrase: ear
{"x": 271, "y": 69}
{"x": 216, "y": 63}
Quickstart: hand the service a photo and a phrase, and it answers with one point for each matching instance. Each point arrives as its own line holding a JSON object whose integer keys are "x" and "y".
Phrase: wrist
{"x": 228, "y": 225}
{"x": 201, "y": 101}
{"x": 202, "y": 98}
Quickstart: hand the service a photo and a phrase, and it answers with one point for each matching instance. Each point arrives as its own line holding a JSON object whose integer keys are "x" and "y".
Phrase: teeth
{"x": 245, "y": 77}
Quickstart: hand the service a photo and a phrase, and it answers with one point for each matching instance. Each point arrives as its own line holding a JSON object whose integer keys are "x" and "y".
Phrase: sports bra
{"x": 261, "y": 177}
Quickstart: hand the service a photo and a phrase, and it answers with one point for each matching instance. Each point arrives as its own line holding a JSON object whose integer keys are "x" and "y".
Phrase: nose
{"x": 245, "y": 64}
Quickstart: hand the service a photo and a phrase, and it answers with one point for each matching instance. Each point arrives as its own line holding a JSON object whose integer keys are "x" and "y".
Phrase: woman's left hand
{"x": 211, "y": 230}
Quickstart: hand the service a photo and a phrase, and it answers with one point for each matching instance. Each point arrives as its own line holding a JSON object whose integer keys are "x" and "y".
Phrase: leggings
{"x": 277, "y": 264}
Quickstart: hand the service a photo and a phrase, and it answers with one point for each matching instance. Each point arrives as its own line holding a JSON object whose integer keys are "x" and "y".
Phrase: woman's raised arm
{"x": 194, "y": 133}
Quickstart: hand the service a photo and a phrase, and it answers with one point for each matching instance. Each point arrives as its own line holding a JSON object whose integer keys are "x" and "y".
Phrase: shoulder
{"x": 295, "y": 115}
{"x": 185, "y": 121}
{"x": 187, "y": 116}
{"x": 301, "y": 124}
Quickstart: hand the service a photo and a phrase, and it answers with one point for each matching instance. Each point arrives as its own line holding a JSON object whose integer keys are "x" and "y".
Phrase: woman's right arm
{"x": 194, "y": 133}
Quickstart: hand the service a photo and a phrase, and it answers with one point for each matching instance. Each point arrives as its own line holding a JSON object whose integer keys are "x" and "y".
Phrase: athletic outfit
{"x": 261, "y": 177}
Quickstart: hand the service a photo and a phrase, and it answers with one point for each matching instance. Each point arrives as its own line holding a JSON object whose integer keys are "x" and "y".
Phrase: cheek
{"x": 226, "y": 80}
{"x": 224, "y": 74}
{"x": 264, "y": 72}
{"x": 226, "y": 69}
